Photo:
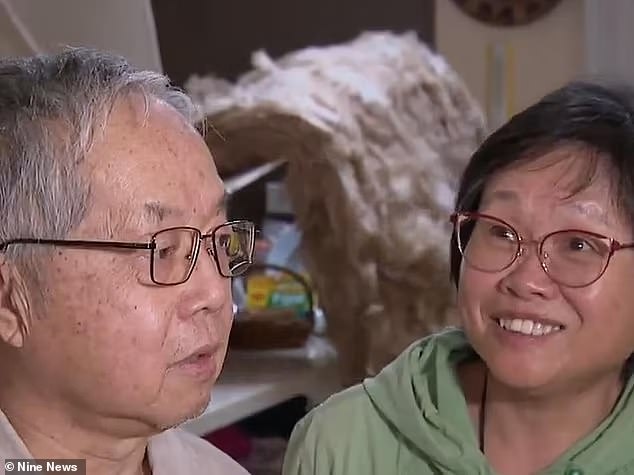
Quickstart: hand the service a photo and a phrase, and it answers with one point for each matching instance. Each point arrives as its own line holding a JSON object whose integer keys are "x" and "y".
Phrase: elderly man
{"x": 115, "y": 268}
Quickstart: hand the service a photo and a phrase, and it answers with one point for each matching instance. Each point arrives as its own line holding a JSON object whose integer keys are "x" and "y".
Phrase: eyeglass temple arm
{"x": 617, "y": 246}
{"x": 79, "y": 243}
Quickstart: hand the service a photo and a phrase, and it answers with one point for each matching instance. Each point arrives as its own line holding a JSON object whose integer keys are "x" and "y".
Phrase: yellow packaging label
{"x": 259, "y": 290}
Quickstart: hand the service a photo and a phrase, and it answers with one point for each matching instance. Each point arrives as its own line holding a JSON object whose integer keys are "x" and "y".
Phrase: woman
{"x": 538, "y": 380}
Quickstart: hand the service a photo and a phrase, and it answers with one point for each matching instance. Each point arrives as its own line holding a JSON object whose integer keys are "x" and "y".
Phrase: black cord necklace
{"x": 483, "y": 402}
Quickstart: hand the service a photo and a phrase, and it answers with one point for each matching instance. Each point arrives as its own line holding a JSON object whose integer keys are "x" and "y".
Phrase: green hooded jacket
{"x": 412, "y": 419}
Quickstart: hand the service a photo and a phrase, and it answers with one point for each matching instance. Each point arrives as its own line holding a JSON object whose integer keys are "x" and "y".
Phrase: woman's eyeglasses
{"x": 571, "y": 257}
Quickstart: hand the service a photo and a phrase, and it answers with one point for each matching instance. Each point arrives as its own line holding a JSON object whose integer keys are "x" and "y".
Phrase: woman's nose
{"x": 527, "y": 278}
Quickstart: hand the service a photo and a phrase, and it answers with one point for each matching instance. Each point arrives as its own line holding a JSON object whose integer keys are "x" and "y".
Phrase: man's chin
{"x": 187, "y": 414}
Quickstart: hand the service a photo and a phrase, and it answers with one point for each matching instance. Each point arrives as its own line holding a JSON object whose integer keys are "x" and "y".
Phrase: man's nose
{"x": 206, "y": 278}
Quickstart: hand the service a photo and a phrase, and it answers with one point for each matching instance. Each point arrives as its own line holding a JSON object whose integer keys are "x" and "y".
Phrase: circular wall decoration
{"x": 506, "y": 12}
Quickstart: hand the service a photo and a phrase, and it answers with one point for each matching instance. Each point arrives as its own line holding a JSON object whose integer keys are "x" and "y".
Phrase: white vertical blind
{"x": 610, "y": 39}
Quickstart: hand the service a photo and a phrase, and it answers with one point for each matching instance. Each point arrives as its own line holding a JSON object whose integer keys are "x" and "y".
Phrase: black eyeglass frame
{"x": 151, "y": 246}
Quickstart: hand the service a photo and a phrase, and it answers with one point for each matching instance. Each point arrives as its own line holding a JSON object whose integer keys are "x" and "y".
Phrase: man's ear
{"x": 15, "y": 307}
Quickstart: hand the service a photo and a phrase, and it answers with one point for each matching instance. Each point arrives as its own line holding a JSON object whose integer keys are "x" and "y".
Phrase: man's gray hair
{"x": 50, "y": 108}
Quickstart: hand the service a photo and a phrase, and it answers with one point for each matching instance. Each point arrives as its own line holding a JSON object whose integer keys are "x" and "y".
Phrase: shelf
{"x": 242, "y": 180}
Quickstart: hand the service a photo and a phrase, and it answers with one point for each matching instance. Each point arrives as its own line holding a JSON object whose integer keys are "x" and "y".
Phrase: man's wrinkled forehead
{"x": 145, "y": 175}
{"x": 149, "y": 216}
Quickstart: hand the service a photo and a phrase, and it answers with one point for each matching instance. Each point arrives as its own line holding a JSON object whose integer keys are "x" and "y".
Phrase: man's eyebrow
{"x": 157, "y": 212}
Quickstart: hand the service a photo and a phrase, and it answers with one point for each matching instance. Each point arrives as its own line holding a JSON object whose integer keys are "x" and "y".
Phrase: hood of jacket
{"x": 421, "y": 398}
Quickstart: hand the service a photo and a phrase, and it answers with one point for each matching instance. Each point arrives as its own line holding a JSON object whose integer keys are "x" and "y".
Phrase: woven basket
{"x": 276, "y": 328}
{"x": 269, "y": 329}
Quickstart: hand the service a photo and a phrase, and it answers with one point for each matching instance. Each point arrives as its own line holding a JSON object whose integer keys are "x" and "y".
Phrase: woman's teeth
{"x": 527, "y": 327}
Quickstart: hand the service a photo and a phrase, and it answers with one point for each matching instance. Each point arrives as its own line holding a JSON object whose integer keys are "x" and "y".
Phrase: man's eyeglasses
{"x": 571, "y": 257}
{"x": 174, "y": 251}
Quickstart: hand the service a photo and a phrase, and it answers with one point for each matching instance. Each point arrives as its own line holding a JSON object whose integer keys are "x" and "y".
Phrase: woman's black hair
{"x": 598, "y": 118}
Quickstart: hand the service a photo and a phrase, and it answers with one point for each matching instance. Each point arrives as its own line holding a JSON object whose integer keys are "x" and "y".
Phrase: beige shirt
{"x": 173, "y": 451}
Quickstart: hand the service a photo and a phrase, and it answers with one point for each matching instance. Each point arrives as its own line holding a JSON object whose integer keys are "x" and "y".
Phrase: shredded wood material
{"x": 376, "y": 133}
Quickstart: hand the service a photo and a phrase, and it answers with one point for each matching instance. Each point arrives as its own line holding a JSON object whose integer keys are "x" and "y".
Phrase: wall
{"x": 540, "y": 56}
{"x": 202, "y": 36}
{"x": 123, "y": 26}
{"x": 609, "y": 36}
{"x": 14, "y": 39}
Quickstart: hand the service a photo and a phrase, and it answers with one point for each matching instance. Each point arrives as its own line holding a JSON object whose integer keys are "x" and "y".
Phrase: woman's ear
{"x": 15, "y": 307}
